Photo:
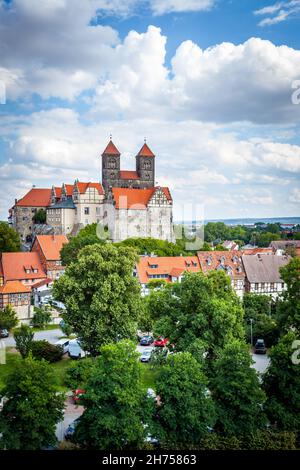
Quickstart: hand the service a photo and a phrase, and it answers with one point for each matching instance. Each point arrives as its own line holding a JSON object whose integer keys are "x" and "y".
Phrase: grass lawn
{"x": 58, "y": 367}
{"x": 149, "y": 375}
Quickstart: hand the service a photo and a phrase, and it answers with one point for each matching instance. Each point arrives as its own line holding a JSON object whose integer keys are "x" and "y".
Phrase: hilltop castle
{"x": 127, "y": 202}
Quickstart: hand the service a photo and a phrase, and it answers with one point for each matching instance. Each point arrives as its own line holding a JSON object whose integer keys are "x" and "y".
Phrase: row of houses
{"x": 257, "y": 272}
{"x": 25, "y": 277}
{"x": 24, "y": 274}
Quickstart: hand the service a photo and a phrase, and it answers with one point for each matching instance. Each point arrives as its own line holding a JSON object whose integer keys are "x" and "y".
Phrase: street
{"x": 71, "y": 413}
{"x": 50, "y": 335}
{"x": 261, "y": 362}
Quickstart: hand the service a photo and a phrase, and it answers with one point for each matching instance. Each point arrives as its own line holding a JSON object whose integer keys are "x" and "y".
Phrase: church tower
{"x": 145, "y": 167}
{"x": 110, "y": 167}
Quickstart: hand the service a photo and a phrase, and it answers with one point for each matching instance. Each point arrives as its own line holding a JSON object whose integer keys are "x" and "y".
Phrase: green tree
{"x": 33, "y": 407}
{"x": 40, "y": 217}
{"x": 200, "y": 306}
{"x": 44, "y": 350}
{"x": 264, "y": 239}
{"x": 216, "y": 231}
{"x": 289, "y": 308}
{"x": 152, "y": 245}
{"x": 41, "y": 316}
{"x": 236, "y": 392}
{"x": 281, "y": 383}
{"x": 23, "y": 337}
{"x": 259, "y": 308}
{"x": 186, "y": 410}
{"x": 9, "y": 238}
{"x": 114, "y": 402}
{"x": 101, "y": 296}
{"x": 78, "y": 374}
{"x": 86, "y": 236}
{"x": 8, "y": 318}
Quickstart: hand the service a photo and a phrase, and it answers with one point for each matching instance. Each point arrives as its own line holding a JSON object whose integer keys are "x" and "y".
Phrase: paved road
{"x": 72, "y": 412}
{"x": 261, "y": 362}
{"x": 50, "y": 335}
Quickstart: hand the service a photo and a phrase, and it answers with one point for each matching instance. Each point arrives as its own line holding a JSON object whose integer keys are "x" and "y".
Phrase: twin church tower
{"x": 113, "y": 177}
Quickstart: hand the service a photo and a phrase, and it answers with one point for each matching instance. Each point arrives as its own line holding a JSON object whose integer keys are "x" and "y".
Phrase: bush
{"x": 8, "y": 318}
{"x": 45, "y": 350}
{"x": 261, "y": 440}
{"x": 79, "y": 373}
{"x": 24, "y": 338}
{"x": 41, "y": 317}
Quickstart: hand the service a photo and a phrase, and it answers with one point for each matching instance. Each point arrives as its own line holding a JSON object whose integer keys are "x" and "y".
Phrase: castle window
{"x": 86, "y": 211}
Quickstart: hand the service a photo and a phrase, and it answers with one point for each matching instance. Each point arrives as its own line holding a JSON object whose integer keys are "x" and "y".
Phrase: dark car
{"x": 260, "y": 347}
{"x": 4, "y": 333}
{"x": 70, "y": 431}
{"x": 146, "y": 340}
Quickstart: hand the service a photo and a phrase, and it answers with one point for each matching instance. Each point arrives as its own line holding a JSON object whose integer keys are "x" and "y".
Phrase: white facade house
{"x": 263, "y": 275}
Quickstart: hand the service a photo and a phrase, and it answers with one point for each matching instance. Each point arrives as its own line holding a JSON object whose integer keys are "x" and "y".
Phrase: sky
{"x": 213, "y": 86}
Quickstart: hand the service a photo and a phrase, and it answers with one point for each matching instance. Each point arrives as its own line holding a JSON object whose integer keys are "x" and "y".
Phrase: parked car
{"x": 75, "y": 349}
{"x": 4, "y": 333}
{"x": 77, "y": 394}
{"x": 64, "y": 343}
{"x": 69, "y": 433}
{"x": 260, "y": 347}
{"x": 161, "y": 342}
{"x": 146, "y": 355}
{"x": 146, "y": 340}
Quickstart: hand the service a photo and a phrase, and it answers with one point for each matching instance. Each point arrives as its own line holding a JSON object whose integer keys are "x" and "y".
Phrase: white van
{"x": 64, "y": 343}
{"x": 75, "y": 350}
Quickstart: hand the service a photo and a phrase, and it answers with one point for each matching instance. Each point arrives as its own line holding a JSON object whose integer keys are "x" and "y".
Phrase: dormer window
{"x": 209, "y": 261}
{"x": 188, "y": 263}
{"x": 153, "y": 266}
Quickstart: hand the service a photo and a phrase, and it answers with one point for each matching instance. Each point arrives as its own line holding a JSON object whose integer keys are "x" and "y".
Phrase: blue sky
{"x": 208, "y": 82}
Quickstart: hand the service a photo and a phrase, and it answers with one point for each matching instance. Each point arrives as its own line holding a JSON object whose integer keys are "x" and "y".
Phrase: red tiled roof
{"x": 51, "y": 245}
{"x": 129, "y": 175}
{"x": 145, "y": 151}
{"x": 36, "y": 197}
{"x": 214, "y": 260}
{"x": 69, "y": 189}
{"x": 138, "y": 199}
{"x": 13, "y": 266}
{"x": 173, "y": 266}
{"x": 111, "y": 149}
{"x": 58, "y": 192}
{"x": 255, "y": 251}
{"x": 43, "y": 282}
{"x": 14, "y": 287}
{"x": 84, "y": 186}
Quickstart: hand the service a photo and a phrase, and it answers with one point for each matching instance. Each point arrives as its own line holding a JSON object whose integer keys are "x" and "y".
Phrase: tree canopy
{"x": 236, "y": 392}
{"x": 201, "y": 306}
{"x": 9, "y": 238}
{"x": 282, "y": 384}
{"x": 101, "y": 296}
{"x": 186, "y": 411}
{"x": 32, "y": 407}
{"x": 289, "y": 307}
{"x": 114, "y": 402}
{"x": 86, "y": 236}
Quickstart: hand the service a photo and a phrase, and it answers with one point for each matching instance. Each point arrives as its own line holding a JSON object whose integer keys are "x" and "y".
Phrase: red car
{"x": 161, "y": 342}
{"x": 77, "y": 394}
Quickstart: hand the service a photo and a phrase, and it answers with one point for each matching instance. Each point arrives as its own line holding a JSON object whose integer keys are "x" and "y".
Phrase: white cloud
{"x": 281, "y": 11}
{"x": 295, "y": 196}
{"x": 201, "y": 163}
{"x": 60, "y": 55}
{"x": 160, "y": 7}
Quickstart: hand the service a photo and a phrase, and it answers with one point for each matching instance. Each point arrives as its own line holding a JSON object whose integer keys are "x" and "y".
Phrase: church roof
{"x": 145, "y": 151}
{"x": 111, "y": 149}
{"x": 129, "y": 175}
{"x": 138, "y": 199}
{"x": 36, "y": 197}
